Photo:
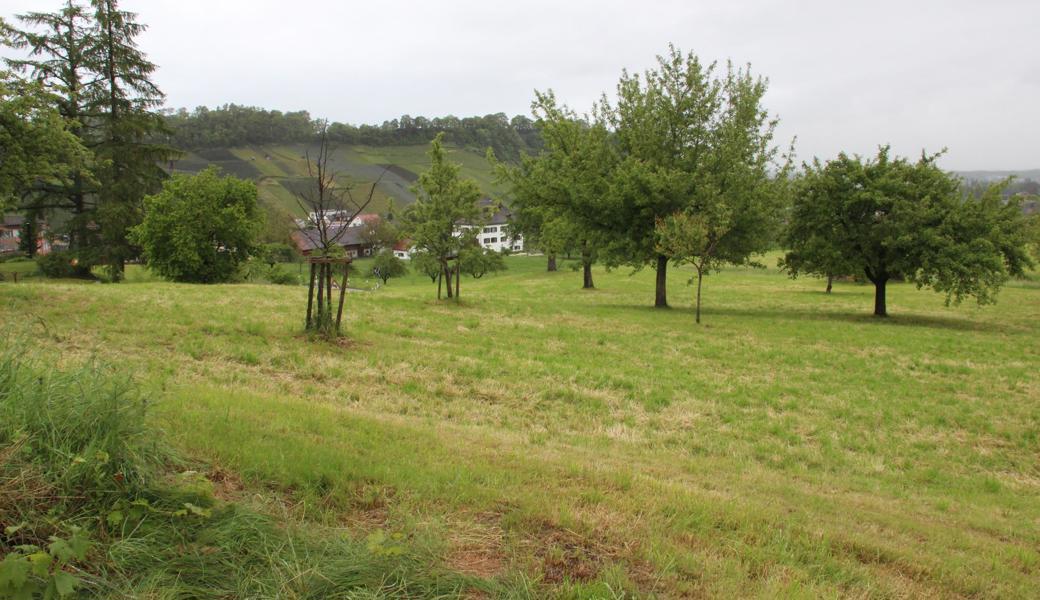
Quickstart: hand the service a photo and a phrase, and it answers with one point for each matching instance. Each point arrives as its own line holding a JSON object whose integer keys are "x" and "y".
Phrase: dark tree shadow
{"x": 896, "y": 319}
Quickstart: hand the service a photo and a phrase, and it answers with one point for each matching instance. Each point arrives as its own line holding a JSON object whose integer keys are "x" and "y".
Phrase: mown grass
{"x": 575, "y": 443}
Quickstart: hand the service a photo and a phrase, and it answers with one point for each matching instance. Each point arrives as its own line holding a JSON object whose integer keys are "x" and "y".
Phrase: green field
{"x": 279, "y": 170}
{"x": 550, "y": 441}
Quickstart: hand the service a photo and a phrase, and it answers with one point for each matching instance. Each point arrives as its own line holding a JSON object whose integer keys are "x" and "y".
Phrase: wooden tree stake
{"x": 342, "y": 293}
{"x": 310, "y": 297}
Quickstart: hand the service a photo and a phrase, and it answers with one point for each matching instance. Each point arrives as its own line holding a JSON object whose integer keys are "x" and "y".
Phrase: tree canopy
{"x": 557, "y": 195}
{"x": 478, "y": 262}
{"x": 85, "y": 59}
{"x": 386, "y": 266}
{"x": 200, "y": 228}
{"x": 444, "y": 200}
{"x": 691, "y": 140}
{"x": 891, "y": 218}
{"x": 39, "y": 150}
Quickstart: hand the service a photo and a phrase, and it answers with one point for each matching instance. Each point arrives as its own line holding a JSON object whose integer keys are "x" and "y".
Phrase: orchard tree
{"x": 427, "y": 264}
{"x": 1033, "y": 233}
{"x": 386, "y": 265}
{"x": 810, "y": 247}
{"x": 477, "y": 261}
{"x": 444, "y": 202}
{"x": 691, "y": 140}
{"x": 328, "y": 203}
{"x": 558, "y": 195}
{"x": 892, "y": 218}
{"x": 380, "y": 233}
{"x": 200, "y": 228}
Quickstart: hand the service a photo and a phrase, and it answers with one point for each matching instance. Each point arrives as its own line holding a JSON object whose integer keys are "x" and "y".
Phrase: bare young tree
{"x": 331, "y": 208}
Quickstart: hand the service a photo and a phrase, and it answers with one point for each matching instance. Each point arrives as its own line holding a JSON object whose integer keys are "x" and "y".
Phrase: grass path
{"x": 793, "y": 445}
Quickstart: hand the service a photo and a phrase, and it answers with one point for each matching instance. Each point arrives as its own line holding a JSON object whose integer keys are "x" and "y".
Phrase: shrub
{"x": 200, "y": 228}
{"x": 282, "y": 277}
{"x": 477, "y": 262}
{"x": 275, "y": 253}
{"x": 56, "y": 265}
{"x": 386, "y": 265}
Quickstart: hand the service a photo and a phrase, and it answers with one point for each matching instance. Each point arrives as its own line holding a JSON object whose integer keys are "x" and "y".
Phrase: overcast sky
{"x": 843, "y": 76}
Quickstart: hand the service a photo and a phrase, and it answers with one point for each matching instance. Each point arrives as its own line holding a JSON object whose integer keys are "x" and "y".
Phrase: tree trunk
{"x": 551, "y": 266}
{"x": 880, "y": 310}
{"x": 447, "y": 280}
{"x": 458, "y": 277}
{"x": 830, "y": 283}
{"x": 661, "y": 301}
{"x": 440, "y": 276}
{"x": 329, "y": 288}
{"x": 586, "y": 264}
{"x": 700, "y": 278}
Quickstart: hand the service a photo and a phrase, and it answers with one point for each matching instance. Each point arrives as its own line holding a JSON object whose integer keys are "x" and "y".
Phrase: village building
{"x": 404, "y": 250}
{"x": 348, "y": 237}
{"x": 11, "y": 230}
{"x": 495, "y": 234}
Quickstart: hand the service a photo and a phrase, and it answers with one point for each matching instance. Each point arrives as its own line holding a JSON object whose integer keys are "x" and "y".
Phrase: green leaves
{"x": 29, "y": 572}
{"x": 443, "y": 200}
{"x": 888, "y": 217}
{"x": 200, "y": 228}
{"x": 382, "y": 544}
{"x": 38, "y": 148}
{"x": 386, "y": 266}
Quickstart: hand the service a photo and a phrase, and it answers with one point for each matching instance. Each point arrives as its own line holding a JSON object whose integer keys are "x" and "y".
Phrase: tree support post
{"x": 321, "y": 295}
{"x": 342, "y": 294}
{"x": 310, "y": 297}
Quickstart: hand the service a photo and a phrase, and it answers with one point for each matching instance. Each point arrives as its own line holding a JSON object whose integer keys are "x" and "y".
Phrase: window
{"x": 490, "y": 229}
{"x": 491, "y": 241}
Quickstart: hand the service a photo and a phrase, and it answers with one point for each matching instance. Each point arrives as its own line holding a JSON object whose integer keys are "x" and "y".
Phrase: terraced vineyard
{"x": 280, "y": 171}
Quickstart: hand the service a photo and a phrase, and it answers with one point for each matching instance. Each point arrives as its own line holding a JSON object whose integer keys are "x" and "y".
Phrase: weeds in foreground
{"x": 87, "y": 506}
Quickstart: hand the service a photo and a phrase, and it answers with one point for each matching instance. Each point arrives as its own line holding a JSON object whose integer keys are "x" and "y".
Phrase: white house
{"x": 495, "y": 234}
{"x": 404, "y": 250}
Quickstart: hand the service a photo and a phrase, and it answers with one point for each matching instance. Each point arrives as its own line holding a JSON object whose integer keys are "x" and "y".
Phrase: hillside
{"x": 281, "y": 170}
{"x": 1033, "y": 174}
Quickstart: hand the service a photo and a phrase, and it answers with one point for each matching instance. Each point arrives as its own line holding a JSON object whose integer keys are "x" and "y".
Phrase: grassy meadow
{"x": 539, "y": 440}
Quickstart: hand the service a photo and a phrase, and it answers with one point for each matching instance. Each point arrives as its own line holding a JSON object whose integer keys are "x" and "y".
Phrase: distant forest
{"x": 233, "y": 125}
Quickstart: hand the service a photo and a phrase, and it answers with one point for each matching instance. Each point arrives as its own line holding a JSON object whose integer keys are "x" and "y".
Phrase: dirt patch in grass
{"x": 366, "y": 520}
{"x": 567, "y": 555}
{"x": 227, "y": 486}
{"x": 478, "y": 546}
{"x": 483, "y": 562}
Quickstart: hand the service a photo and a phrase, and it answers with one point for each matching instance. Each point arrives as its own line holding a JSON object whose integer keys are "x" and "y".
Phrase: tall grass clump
{"x": 93, "y": 504}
